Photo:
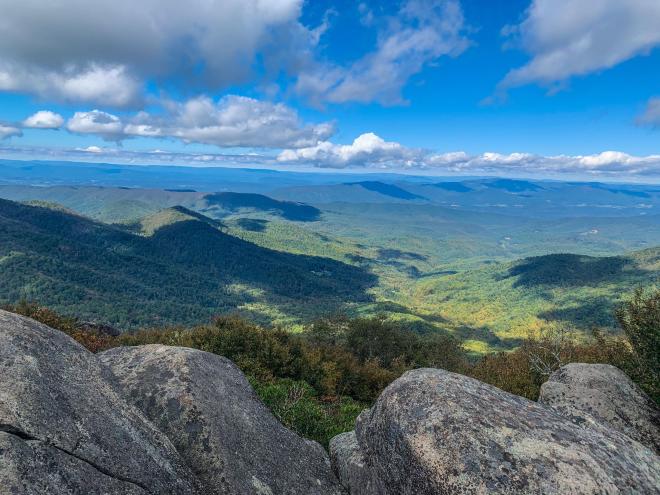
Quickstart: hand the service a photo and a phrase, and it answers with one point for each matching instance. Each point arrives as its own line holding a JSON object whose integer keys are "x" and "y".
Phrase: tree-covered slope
{"x": 184, "y": 270}
{"x": 503, "y": 302}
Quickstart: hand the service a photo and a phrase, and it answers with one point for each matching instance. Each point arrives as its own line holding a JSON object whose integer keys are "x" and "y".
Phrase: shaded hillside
{"x": 510, "y": 299}
{"x": 186, "y": 271}
{"x": 232, "y": 202}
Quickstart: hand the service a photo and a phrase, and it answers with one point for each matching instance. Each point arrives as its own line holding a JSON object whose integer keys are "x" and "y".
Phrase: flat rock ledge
{"x": 436, "y": 432}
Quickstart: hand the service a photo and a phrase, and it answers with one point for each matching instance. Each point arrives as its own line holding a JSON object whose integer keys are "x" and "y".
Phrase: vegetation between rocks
{"x": 318, "y": 381}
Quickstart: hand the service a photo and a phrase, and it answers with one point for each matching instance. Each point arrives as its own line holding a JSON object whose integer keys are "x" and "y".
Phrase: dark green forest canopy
{"x": 185, "y": 272}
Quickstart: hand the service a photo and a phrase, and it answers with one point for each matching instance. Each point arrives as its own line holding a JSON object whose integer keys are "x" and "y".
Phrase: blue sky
{"x": 517, "y": 87}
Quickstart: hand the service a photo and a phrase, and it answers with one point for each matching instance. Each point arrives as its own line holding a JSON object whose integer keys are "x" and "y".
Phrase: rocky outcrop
{"x": 436, "y": 432}
{"x": 350, "y": 465}
{"x": 64, "y": 428}
{"x": 169, "y": 420}
{"x": 207, "y": 408}
{"x": 585, "y": 392}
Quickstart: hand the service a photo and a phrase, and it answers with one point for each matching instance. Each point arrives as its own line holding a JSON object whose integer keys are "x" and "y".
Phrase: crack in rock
{"x": 17, "y": 432}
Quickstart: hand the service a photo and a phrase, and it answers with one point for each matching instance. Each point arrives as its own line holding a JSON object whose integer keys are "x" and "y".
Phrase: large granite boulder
{"x": 65, "y": 429}
{"x": 211, "y": 414}
{"x": 436, "y": 432}
{"x": 602, "y": 392}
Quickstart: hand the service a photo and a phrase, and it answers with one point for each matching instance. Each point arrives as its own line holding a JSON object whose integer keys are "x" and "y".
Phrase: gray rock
{"x": 65, "y": 429}
{"x": 35, "y": 467}
{"x": 436, "y": 432}
{"x": 209, "y": 411}
{"x": 606, "y": 394}
{"x": 350, "y": 465}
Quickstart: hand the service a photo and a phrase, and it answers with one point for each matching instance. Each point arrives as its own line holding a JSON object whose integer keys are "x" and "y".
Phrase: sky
{"x": 540, "y": 88}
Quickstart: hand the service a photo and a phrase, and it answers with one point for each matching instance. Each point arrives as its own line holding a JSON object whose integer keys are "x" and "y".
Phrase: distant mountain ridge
{"x": 119, "y": 204}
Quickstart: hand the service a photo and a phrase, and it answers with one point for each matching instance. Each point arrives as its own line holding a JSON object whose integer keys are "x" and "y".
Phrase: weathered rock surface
{"x": 227, "y": 436}
{"x": 350, "y": 465}
{"x": 436, "y": 432}
{"x": 603, "y": 392}
{"x": 65, "y": 429}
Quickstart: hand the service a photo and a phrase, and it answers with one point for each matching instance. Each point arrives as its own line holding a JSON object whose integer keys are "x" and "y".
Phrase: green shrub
{"x": 640, "y": 320}
{"x": 297, "y": 405}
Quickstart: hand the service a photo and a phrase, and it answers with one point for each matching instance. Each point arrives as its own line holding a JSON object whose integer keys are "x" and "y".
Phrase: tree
{"x": 640, "y": 320}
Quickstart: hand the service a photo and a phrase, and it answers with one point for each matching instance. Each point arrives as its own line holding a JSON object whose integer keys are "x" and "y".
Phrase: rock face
{"x": 602, "y": 392}
{"x": 170, "y": 420}
{"x": 207, "y": 408}
{"x": 436, "y": 432}
{"x": 64, "y": 428}
{"x": 350, "y": 465}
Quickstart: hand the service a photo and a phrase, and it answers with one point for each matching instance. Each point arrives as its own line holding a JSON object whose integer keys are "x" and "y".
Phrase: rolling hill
{"x": 183, "y": 268}
{"x": 496, "y": 306}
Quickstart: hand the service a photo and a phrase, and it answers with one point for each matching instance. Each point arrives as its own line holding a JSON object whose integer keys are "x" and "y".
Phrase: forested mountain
{"x": 184, "y": 269}
{"x": 180, "y": 255}
{"x": 500, "y": 304}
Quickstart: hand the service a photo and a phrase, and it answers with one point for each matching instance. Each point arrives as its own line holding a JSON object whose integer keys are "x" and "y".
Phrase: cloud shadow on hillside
{"x": 570, "y": 270}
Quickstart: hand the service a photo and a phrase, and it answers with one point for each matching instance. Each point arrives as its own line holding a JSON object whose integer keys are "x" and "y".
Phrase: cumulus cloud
{"x": 371, "y": 151}
{"x": 233, "y": 121}
{"x": 92, "y": 149}
{"x": 7, "y": 131}
{"x": 571, "y": 38}
{"x": 367, "y": 149}
{"x": 422, "y": 32}
{"x": 103, "y": 51}
{"x": 109, "y": 85}
{"x": 651, "y": 115}
{"x": 103, "y": 124}
{"x": 44, "y": 119}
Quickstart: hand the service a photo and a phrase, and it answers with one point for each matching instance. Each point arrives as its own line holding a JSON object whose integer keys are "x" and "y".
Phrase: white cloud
{"x": 234, "y": 121}
{"x": 92, "y": 149}
{"x": 371, "y": 151}
{"x": 422, "y": 32}
{"x": 366, "y": 150}
{"x": 651, "y": 115}
{"x": 108, "y": 85}
{"x": 7, "y": 131}
{"x": 103, "y": 124}
{"x": 103, "y": 51}
{"x": 569, "y": 38}
{"x": 44, "y": 119}
{"x": 607, "y": 163}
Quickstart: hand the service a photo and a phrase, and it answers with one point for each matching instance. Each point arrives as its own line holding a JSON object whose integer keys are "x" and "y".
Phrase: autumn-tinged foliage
{"x": 95, "y": 341}
{"x": 317, "y": 382}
